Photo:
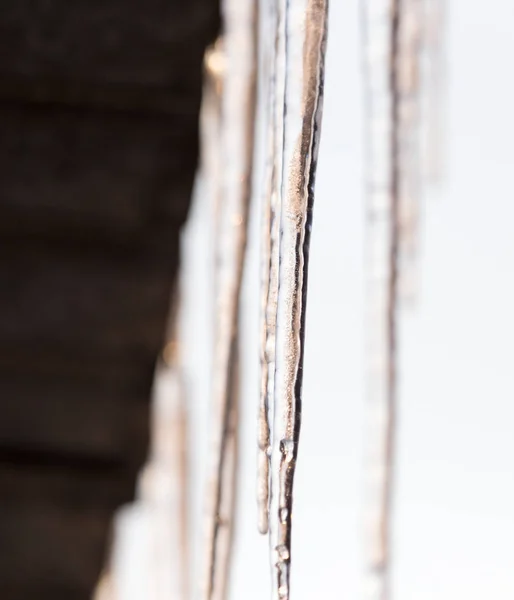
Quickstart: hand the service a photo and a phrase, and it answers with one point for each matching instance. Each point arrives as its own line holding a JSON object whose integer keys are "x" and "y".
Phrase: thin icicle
{"x": 263, "y": 425}
{"x": 210, "y": 132}
{"x": 434, "y": 90}
{"x": 397, "y": 32}
{"x": 236, "y": 148}
{"x": 419, "y": 77}
{"x": 382, "y": 21}
{"x": 306, "y": 31}
{"x": 270, "y": 252}
{"x": 158, "y": 519}
{"x": 104, "y": 588}
{"x": 420, "y": 90}
{"x": 163, "y": 488}
{"x": 163, "y": 483}
{"x": 408, "y": 69}
{"x": 227, "y": 507}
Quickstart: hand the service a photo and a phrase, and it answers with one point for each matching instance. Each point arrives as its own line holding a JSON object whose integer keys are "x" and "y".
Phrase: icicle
{"x": 397, "y": 31}
{"x": 382, "y": 21}
{"x": 305, "y": 42}
{"x": 408, "y": 82}
{"x": 236, "y": 148}
{"x": 419, "y": 66}
{"x": 434, "y": 86}
{"x": 270, "y": 252}
{"x": 104, "y": 588}
{"x": 163, "y": 483}
{"x": 419, "y": 77}
{"x": 227, "y": 505}
{"x": 210, "y": 131}
{"x": 158, "y": 519}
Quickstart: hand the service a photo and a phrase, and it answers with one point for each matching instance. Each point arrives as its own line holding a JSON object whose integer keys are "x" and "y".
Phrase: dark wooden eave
{"x": 99, "y": 104}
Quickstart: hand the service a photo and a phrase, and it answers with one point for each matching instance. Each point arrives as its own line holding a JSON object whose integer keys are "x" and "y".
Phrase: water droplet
{"x": 282, "y": 553}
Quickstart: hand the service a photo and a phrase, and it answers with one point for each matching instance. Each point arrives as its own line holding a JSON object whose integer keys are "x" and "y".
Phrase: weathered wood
{"x": 99, "y": 105}
{"x": 107, "y": 174}
{"x": 51, "y": 549}
{"x": 115, "y": 41}
{"x": 66, "y": 487}
{"x": 64, "y": 299}
{"x": 84, "y": 422}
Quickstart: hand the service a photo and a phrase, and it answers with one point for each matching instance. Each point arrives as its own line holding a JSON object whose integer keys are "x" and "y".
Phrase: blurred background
{"x": 99, "y": 104}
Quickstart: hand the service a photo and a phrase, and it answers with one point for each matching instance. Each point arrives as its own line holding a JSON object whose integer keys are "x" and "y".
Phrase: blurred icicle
{"x": 274, "y": 82}
{"x": 434, "y": 85}
{"x": 228, "y": 483}
{"x": 105, "y": 589}
{"x": 419, "y": 66}
{"x": 407, "y": 69}
{"x": 163, "y": 483}
{"x": 236, "y": 156}
{"x": 150, "y": 554}
{"x": 305, "y": 43}
{"x": 396, "y": 34}
{"x": 383, "y": 204}
{"x": 210, "y": 129}
{"x": 162, "y": 490}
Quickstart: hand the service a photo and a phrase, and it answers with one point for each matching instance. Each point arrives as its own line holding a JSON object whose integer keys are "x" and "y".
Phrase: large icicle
{"x": 270, "y": 242}
{"x": 236, "y": 149}
{"x": 305, "y": 42}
